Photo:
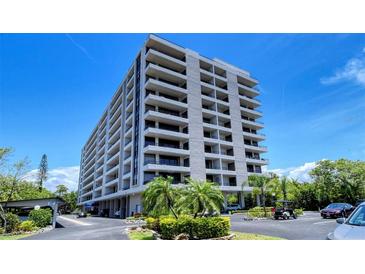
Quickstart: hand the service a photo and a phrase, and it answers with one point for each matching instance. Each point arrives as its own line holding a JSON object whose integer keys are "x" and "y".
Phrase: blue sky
{"x": 54, "y": 88}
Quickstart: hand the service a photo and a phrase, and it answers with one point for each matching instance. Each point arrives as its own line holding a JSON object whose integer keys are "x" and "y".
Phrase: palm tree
{"x": 200, "y": 197}
{"x": 284, "y": 181}
{"x": 262, "y": 184}
{"x": 160, "y": 196}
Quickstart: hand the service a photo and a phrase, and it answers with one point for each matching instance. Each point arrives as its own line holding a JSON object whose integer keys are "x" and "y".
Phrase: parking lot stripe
{"x": 323, "y": 222}
{"x": 73, "y": 221}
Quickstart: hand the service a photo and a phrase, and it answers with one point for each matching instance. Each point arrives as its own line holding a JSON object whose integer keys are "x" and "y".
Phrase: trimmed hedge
{"x": 258, "y": 212}
{"x": 12, "y": 222}
{"x": 27, "y": 226}
{"x": 153, "y": 223}
{"x": 41, "y": 217}
{"x": 199, "y": 228}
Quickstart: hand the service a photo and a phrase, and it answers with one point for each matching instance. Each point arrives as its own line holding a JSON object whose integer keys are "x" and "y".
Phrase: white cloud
{"x": 354, "y": 71}
{"x": 67, "y": 176}
{"x": 300, "y": 173}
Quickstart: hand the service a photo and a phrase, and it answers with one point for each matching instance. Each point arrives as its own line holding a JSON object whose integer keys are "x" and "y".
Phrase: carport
{"x": 52, "y": 203}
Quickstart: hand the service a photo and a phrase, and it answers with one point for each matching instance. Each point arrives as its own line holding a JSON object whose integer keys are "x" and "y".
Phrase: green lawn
{"x": 252, "y": 236}
{"x": 13, "y": 237}
{"x": 140, "y": 235}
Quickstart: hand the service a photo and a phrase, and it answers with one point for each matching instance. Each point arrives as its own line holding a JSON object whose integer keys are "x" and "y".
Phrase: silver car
{"x": 352, "y": 228}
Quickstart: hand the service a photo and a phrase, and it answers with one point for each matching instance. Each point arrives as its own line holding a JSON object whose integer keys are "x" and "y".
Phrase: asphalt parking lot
{"x": 91, "y": 228}
{"x": 310, "y": 226}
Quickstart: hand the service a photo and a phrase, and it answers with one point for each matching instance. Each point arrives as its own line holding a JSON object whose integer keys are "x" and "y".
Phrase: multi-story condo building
{"x": 176, "y": 114}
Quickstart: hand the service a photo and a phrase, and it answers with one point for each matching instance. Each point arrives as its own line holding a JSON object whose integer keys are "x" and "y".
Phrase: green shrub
{"x": 298, "y": 211}
{"x": 168, "y": 227}
{"x": 258, "y": 212}
{"x": 213, "y": 227}
{"x": 153, "y": 223}
{"x": 41, "y": 217}
{"x": 185, "y": 224}
{"x": 27, "y": 226}
{"x": 2, "y": 230}
{"x": 12, "y": 222}
{"x": 199, "y": 228}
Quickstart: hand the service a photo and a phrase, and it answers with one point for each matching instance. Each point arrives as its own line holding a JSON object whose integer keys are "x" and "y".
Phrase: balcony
{"x": 251, "y": 122}
{"x": 211, "y": 86}
{"x": 214, "y": 156}
{"x": 165, "y": 133}
{"x": 250, "y": 100}
{"x": 112, "y": 169}
{"x": 167, "y": 48}
{"x": 161, "y": 101}
{"x": 254, "y": 135}
{"x": 166, "y": 117}
{"x": 246, "y": 80}
{"x": 165, "y": 87}
{"x": 166, "y": 165}
{"x": 165, "y": 149}
{"x": 127, "y": 174}
{"x": 165, "y": 60}
{"x": 215, "y": 140}
{"x": 256, "y": 160}
{"x": 127, "y": 143}
{"x": 251, "y": 112}
{"x": 256, "y": 148}
{"x": 159, "y": 72}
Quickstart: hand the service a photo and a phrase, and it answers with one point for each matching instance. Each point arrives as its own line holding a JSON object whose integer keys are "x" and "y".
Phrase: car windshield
{"x": 358, "y": 217}
{"x": 335, "y": 206}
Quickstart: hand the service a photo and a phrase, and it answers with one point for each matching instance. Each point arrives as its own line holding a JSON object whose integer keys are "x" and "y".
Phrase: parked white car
{"x": 352, "y": 228}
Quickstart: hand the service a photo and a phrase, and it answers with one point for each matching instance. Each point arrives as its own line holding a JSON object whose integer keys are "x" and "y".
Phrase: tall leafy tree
{"x": 61, "y": 190}
{"x": 71, "y": 200}
{"x": 42, "y": 172}
{"x": 339, "y": 181}
{"x": 15, "y": 176}
{"x": 10, "y": 173}
{"x": 200, "y": 197}
{"x": 160, "y": 196}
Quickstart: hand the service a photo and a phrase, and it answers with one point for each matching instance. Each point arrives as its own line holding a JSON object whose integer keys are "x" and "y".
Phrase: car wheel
{"x": 324, "y": 217}
{"x": 285, "y": 217}
{"x": 276, "y": 218}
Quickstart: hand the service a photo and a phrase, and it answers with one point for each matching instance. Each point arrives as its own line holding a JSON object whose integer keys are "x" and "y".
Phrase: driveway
{"x": 91, "y": 228}
{"x": 310, "y": 226}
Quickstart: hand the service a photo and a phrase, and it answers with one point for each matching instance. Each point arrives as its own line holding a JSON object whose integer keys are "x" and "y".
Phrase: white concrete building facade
{"x": 176, "y": 114}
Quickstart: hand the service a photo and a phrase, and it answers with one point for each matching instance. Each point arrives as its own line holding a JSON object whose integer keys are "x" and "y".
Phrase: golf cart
{"x": 284, "y": 211}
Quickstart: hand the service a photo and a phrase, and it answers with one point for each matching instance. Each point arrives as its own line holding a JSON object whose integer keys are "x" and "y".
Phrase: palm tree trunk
{"x": 171, "y": 208}
{"x": 264, "y": 201}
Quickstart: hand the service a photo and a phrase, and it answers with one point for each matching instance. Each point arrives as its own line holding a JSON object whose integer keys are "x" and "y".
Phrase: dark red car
{"x": 337, "y": 210}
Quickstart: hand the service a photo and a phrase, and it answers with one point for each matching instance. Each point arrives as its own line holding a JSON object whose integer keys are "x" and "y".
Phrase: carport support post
{"x": 55, "y": 209}
{"x": 243, "y": 205}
